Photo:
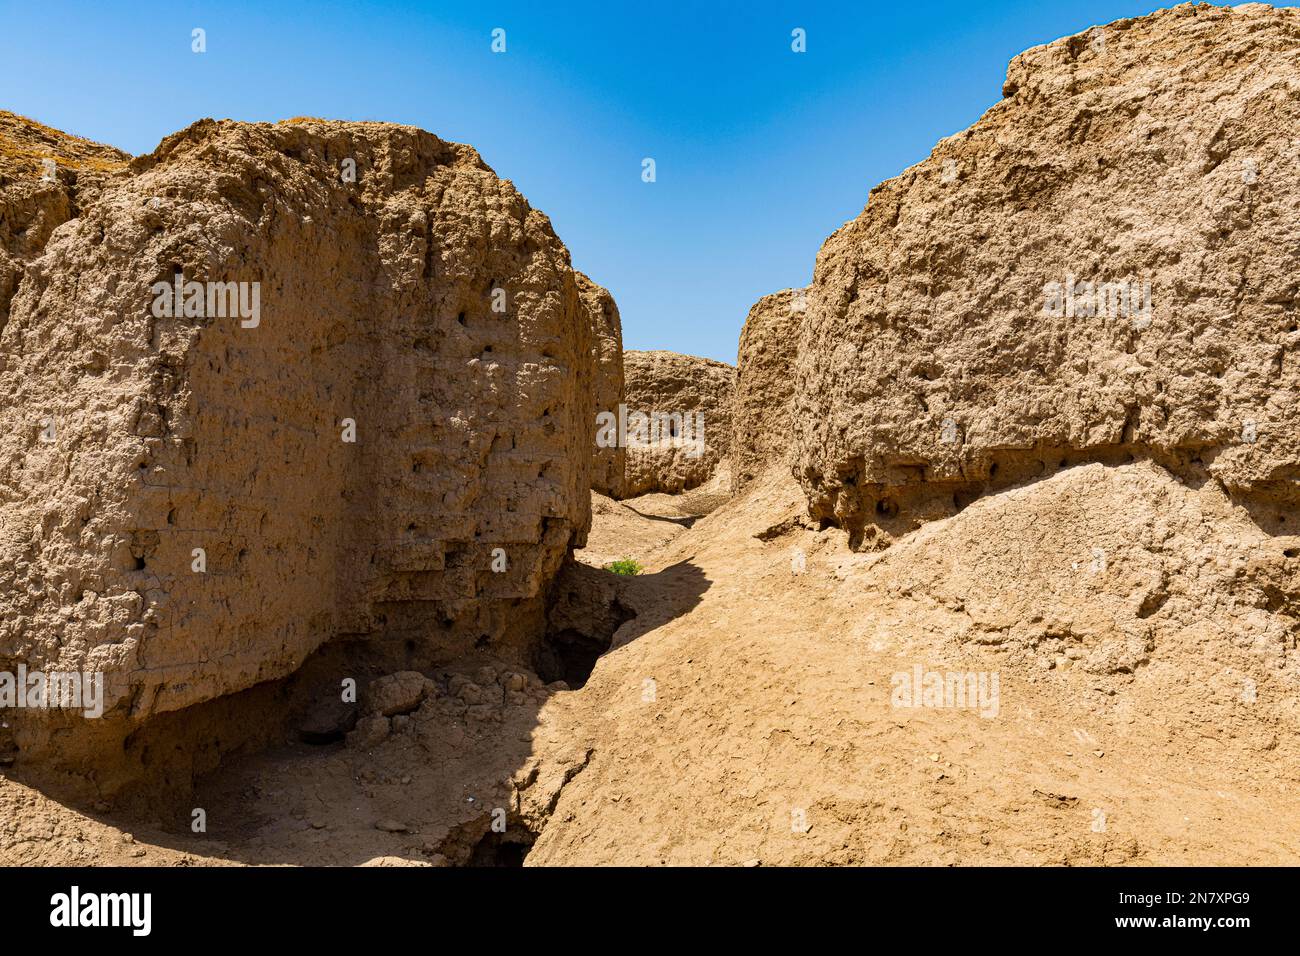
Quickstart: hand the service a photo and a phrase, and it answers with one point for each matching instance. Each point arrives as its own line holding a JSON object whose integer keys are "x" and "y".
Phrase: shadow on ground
{"x": 432, "y": 790}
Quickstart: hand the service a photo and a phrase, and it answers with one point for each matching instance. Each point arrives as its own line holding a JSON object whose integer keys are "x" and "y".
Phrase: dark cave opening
{"x": 495, "y": 850}
{"x": 571, "y": 657}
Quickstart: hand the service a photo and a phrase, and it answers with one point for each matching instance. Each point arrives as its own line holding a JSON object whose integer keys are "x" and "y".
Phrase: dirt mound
{"x": 1107, "y": 570}
{"x": 609, "y": 464}
{"x": 25, "y": 145}
{"x": 1103, "y": 263}
{"x": 775, "y": 734}
{"x": 378, "y": 426}
{"x": 678, "y": 420}
{"x": 760, "y": 421}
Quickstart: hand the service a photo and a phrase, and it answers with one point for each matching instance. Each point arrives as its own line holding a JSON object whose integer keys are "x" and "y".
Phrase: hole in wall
{"x": 500, "y": 850}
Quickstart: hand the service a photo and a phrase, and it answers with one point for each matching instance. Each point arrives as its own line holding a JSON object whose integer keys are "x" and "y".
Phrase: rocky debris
{"x": 409, "y": 702}
{"x": 432, "y": 454}
{"x": 329, "y": 720}
{"x": 487, "y": 690}
{"x": 761, "y": 431}
{"x": 45, "y": 175}
{"x": 609, "y": 463}
{"x": 1104, "y": 264}
{"x": 392, "y": 861}
{"x": 398, "y": 693}
{"x": 686, "y": 430}
{"x": 369, "y": 732}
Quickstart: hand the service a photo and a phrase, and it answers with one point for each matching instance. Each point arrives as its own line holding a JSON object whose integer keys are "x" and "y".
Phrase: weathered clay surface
{"x": 1162, "y": 572}
{"x": 472, "y": 426}
{"x": 1159, "y": 150}
{"x": 667, "y": 383}
{"x": 36, "y": 199}
{"x": 610, "y": 462}
{"x": 761, "y": 430}
{"x": 1135, "y": 618}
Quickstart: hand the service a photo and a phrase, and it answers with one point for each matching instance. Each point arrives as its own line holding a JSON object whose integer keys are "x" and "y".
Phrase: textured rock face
{"x": 954, "y": 341}
{"x": 672, "y": 456}
{"x": 44, "y": 175}
{"x": 413, "y": 392}
{"x": 1108, "y": 569}
{"x": 760, "y": 420}
{"x": 610, "y": 462}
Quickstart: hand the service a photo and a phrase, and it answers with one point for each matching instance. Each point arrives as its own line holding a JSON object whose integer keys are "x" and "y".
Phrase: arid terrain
{"x": 986, "y": 550}
{"x": 760, "y": 708}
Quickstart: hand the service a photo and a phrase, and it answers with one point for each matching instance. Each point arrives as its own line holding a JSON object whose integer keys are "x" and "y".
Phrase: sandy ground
{"x": 772, "y": 737}
{"x": 744, "y": 717}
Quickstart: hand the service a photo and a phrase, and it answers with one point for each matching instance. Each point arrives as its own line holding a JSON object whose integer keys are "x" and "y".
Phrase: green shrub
{"x": 625, "y": 566}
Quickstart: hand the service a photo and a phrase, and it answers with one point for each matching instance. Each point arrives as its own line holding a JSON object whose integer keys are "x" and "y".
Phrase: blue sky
{"x": 760, "y": 152}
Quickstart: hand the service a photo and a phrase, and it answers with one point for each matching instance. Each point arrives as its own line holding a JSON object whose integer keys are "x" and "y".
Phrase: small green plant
{"x": 624, "y": 566}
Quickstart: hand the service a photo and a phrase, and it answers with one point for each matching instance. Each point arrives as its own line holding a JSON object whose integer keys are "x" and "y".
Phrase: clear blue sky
{"x": 761, "y": 152}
